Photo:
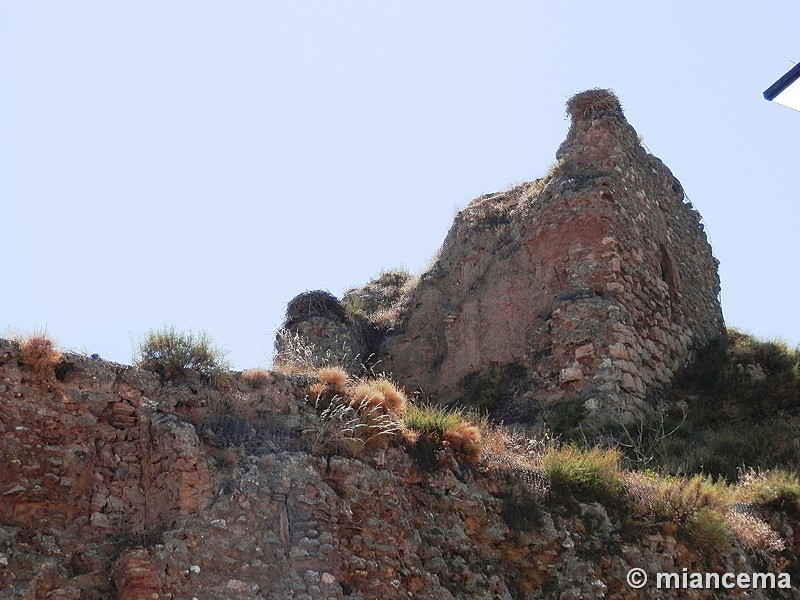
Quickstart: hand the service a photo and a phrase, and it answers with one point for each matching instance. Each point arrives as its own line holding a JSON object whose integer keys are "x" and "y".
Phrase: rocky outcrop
{"x": 595, "y": 282}
{"x": 98, "y": 459}
{"x": 118, "y": 486}
{"x": 318, "y": 332}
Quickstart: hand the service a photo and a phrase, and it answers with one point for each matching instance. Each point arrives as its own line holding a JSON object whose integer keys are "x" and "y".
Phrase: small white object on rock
{"x": 328, "y": 579}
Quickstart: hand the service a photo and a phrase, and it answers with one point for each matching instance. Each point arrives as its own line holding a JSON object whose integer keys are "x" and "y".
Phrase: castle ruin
{"x": 596, "y": 282}
{"x": 599, "y": 280}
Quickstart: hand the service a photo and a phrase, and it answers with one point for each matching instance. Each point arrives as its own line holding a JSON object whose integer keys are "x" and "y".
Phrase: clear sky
{"x": 198, "y": 164}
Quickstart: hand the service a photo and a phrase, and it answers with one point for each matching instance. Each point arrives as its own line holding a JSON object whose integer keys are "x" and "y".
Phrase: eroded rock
{"x": 99, "y": 506}
{"x": 598, "y": 280}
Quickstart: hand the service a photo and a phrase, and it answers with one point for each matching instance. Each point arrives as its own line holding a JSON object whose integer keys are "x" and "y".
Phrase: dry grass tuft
{"x": 593, "y": 103}
{"x": 331, "y": 383}
{"x": 256, "y": 378}
{"x": 353, "y": 415}
{"x": 334, "y": 379}
{"x": 364, "y": 391}
{"x": 465, "y": 439}
{"x": 394, "y": 399}
{"x": 40, "y": 355}
{"x": 296, "y": 355}
{"x": 386, "y": 319}
{"x": 349, "y": 428}
{"x": 316, "y": 390}
{"x": 380, "y": 392}
{"x": 753, "y": 533}
{"x": 675, "y": 499}
{"x": 510, "y": 446}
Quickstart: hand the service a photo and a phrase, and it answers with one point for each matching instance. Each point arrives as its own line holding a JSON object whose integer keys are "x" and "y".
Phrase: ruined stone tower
{"x": 596, "y": 281}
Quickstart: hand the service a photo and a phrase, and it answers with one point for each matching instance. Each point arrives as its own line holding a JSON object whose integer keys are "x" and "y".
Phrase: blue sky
{"x": 198, "y": 164}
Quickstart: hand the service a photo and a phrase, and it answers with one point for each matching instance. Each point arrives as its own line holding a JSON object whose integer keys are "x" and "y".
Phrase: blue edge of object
{"x": 782, "y": 83}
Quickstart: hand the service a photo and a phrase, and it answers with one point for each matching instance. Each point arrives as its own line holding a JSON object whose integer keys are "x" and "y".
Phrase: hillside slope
{"x": 118, "y": 485}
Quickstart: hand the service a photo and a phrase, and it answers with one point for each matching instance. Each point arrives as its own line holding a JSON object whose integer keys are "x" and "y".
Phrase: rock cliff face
{"x": 115, "y": 485}
{"x": 595, "y": 282}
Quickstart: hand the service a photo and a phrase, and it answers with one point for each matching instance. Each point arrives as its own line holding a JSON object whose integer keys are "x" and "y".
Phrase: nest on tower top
{"x": 592, "y": 104}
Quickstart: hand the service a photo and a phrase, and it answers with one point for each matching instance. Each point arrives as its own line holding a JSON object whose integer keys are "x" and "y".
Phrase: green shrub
{"x": 451, "y": 428}
{"x": 679, "y": 500}
{"x": 742, "y": 399}
{"x": 565, "y": 418}
{"x": 778, "y": 489}
{"x": 695, "y": 506}
{"x": 174, "y": 355}
{"x": 709, "y": 531}
{"x": 431, "y": 420}
{"x": 708, "y": 372}
{"x": 353, "y": 305}
{"x": 724, "y": 452}
{"x": 491, "y": 390}
{"x": 774, "y": 355}
{"x": 592, "y": 474}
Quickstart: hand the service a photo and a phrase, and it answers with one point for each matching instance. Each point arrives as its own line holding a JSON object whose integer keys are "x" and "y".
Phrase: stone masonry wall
{"x": 598, "y": 280}
{"x": 111, "y": 489}
{"x": 90, "y": 452}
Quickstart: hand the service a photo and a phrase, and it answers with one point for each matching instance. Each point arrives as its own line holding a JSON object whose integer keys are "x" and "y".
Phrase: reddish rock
{"x": 137, "y": 576}
{"x": 605, "y": 251}
{"x": 149, "y": 510}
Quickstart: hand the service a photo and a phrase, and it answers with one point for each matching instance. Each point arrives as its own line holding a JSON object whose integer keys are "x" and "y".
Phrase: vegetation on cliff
{"x": 736, "y": 498}
{"x": 343, "y": 424}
